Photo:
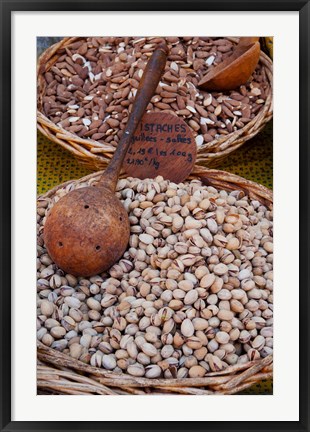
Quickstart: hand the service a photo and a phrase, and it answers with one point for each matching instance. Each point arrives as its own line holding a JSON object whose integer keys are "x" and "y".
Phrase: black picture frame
{"x": 6, "y": 9}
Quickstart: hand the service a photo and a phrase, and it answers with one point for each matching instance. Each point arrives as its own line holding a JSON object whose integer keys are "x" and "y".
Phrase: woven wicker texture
{"x": 88, "y": 151}
{"x": 253, "y": 161}
{"x": 61, "y": 374}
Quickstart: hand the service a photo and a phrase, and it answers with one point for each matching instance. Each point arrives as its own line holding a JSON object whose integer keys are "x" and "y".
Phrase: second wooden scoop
{"x": 88, "y": 230}
{"x": 236, "y": 69}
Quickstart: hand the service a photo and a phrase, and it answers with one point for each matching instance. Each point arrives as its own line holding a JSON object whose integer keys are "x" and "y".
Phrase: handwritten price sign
{"x": 163, "y": 145}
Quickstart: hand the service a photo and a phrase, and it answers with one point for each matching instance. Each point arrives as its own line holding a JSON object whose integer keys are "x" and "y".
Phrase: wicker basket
{"x": 96, "y": 156}
{"x": 59, "y": 373}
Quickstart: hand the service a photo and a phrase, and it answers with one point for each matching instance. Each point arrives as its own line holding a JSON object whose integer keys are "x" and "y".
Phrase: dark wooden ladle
{"x": 87, "y": 230}
{"x": 236, "y": 69}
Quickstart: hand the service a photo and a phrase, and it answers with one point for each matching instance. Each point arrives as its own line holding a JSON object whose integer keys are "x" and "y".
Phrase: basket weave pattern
{"x": 58, "y": 373}
{"x": 96, "y": 155}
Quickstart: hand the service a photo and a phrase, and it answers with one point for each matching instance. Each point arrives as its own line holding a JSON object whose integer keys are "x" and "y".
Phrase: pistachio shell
{"x": 149, "y": 349}
{"x": 207, "y": 280}
{"x": 108, "y": 361}
{"x": 187, "y": 328}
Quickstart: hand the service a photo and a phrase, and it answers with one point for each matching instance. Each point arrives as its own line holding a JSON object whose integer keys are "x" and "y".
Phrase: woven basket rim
{"x": 213, "y": 177}
{"x": 97, "y": 155}
{"x": 59, "y": 372}
{"x": 229, "y": 381}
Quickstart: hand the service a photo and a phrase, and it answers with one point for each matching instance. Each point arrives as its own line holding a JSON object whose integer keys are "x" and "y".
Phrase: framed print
{"x": 152, "y": 192}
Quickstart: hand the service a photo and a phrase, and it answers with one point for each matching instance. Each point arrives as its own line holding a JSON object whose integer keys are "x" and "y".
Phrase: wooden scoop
{"x": 88, "y": 229}
{"x": 236, "y": 69}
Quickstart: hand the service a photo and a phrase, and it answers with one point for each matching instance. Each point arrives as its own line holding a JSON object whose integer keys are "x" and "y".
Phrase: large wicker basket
{"x": 58, "y": 373}
{"x": 96, "y": 155}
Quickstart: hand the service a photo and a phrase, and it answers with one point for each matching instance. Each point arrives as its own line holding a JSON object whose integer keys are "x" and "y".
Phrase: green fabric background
{"x": 252, "y": 161}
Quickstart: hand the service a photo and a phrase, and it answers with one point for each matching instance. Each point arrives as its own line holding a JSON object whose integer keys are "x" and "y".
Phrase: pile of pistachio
{"x": 192, "y": 294}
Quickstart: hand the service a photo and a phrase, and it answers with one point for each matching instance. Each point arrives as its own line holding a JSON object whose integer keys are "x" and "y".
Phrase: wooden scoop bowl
{"x": 236, "y": 69}
{"x": 88, "y": 229}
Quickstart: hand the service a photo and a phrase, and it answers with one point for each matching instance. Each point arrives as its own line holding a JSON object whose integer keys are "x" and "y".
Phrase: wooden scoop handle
{"x": 148, "y": 84}
{"x": 246, "y": 41}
